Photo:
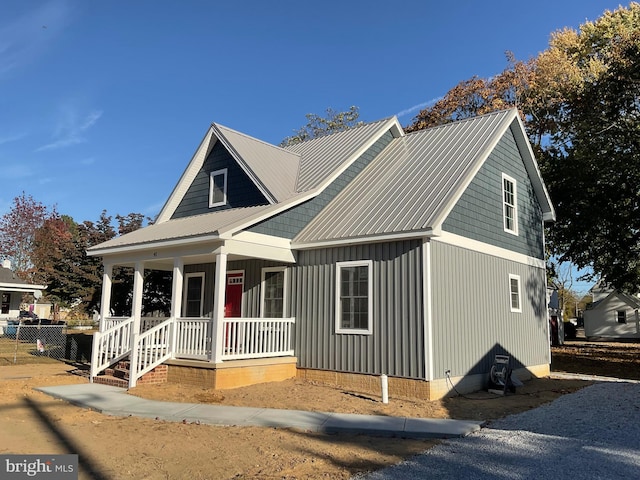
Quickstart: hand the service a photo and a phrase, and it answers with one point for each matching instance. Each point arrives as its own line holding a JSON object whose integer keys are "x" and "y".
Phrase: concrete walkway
{"x": 117, "y": 402}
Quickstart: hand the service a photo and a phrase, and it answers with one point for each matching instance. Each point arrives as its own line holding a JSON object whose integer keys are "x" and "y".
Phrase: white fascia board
{"x": 259, "y": 239}
{"x": 486, "y": 248}
{"x": 531, "y": 165}
{"x": 193, "y": 167}
{"x": 243, "y": 165}
{"x": 255, "y": 250}
{"x": 152, "y": 245}
{"x": 391, "y": 237}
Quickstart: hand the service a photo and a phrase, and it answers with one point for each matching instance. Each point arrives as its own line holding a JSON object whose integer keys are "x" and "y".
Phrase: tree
{"x": 17, "y": 232}
{"x": 318, "y": 126}
{"x": 580, "y": 101}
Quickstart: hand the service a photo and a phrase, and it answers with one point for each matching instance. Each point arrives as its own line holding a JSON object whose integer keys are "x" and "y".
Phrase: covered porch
{"x": 208, "y": 327}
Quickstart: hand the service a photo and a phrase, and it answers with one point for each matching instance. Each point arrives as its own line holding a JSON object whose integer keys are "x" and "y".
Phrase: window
{"x": 273, "y": 292}
{"x": 354, "y": 287}
{"x": 218, "y": 188}
{"x": 510, "y": 204}
{"x": 622, "y": 316}
{"x": 6, "y": 302}
{"x": 193, "y": 295}
{"x": 514, "y": 291}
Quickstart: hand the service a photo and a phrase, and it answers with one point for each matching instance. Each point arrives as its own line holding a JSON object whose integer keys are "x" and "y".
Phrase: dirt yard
{"x": 134, "y": 448}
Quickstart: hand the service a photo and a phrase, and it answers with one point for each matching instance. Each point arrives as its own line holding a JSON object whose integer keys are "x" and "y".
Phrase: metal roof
{"x": 274, "y": 168}
{"x": 182, "y": 228}
{"x": 412, "y": 184}
{"x": 323, "y": 155}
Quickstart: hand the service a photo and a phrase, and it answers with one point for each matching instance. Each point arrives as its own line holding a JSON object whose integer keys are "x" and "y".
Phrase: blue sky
{"x": 103, "y": 103}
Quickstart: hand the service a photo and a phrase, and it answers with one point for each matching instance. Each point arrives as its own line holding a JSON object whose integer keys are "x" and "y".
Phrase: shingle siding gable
{"x": 241, "y": 191}
{"x": 478, "y": 214}
{"x": 291, "y": 222}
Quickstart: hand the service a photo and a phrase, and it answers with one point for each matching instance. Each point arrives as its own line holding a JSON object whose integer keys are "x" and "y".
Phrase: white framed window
{"x": 354, "y": 297}
{"x": 514, "y": 293}
{"x": 510, "y": 204}
{"x": 193, "y": 300}
{"x": 273, "y": 292}
{"x": 218, "y": 188}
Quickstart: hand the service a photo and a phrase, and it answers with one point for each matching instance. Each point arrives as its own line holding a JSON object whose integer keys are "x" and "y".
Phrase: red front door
{"x": 233, "y": 294}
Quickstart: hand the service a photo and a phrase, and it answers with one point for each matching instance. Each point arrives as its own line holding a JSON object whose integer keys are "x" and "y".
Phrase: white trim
{"x": 519, "y": 308}
{"x": 187, "y": 277}
{"x": 428, "y": 311}
{"x": 389, "y": 237}
{"x": 481, "y": 247}
{"x": 514, "y": 182}
{"x": 212, "y": 175}
{"x": 284, "y": 289}
{"x": 354, "y": 331}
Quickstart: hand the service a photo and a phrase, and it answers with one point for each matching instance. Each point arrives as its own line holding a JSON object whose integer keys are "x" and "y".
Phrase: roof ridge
{"x": 328, "y": 134}
{"x": 462, "y": 120}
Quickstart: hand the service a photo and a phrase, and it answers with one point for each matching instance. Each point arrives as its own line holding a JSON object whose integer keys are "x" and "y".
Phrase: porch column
{"x": 136, "y": 313}
{"x": 217, "y": 331}
{"x": 176, "y": 300}
{"x": 105, "y": 301}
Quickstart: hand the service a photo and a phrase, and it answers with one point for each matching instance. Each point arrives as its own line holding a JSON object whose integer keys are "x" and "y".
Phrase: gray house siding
{"x": 396, "y": 346}
{"x": 241, "y": 191}
{"x": 478, "y": 213}
{"x": 472, "y": 318}
{"x": 289, "y": 223}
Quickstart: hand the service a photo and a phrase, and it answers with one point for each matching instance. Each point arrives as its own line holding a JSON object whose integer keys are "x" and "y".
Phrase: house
{"x": 614, "y": 316}
{"x": 360, "y": 253}
{"x": 12, "y": 288}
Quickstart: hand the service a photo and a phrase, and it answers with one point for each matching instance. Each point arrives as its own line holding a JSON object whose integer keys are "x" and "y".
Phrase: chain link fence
{"x": 24, "y": 344}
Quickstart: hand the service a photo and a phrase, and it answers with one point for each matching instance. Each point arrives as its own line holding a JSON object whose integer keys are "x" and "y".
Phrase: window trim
{"x": 338, "y": 323}
{"x": 623, "y": 316}
{"x": 188, "y": 276}
{"x": 212, "y": 175}
{"x": 511, "y": 293}
{"x": 514, "y": 230}
{"x": 263, "y": 273}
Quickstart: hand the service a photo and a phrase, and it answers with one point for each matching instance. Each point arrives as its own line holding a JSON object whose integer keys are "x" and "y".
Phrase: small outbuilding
{"x": 615, "y": 316}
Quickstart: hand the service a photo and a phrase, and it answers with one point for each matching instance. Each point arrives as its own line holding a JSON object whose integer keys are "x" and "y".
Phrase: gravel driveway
{"x": 591, "y": 434}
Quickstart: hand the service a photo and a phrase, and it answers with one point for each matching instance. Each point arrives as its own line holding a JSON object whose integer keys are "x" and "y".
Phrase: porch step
{"x": 118, "y": 375}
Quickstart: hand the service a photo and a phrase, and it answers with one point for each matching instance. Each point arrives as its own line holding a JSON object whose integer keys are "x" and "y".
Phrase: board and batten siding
{"x": 396, "y": 346}
{"x": 471, "y": 312}
{"x": 291, "y": 222}
{"x": 241, "y": 191}
{"x": 478, "y": 214}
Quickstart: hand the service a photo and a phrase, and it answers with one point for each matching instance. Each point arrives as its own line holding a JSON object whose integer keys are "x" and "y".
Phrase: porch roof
{"x": 10, "y": 282}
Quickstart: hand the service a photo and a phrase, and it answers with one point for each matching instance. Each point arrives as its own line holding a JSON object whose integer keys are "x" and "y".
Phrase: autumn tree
{"x": 17, "y": 232}
{"x": 580, "y": 102}
{"x": 318, "y": 126}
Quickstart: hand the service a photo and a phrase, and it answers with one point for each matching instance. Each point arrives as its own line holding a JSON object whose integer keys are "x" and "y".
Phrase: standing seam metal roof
{"x": 411, "y": 183}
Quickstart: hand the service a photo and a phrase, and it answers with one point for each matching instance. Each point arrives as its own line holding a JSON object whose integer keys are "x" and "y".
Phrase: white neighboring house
{"x": 11, "y": 290}
{"x": 614, "y": 316}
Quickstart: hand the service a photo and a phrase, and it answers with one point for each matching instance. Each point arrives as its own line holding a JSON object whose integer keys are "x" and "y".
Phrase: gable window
{"x": 218, "y": 188}
{"x": 354, "y": 302}
{"x": 514, "y": 292}
{"x": 622, "y": 316}
{"x": 273, "y": 292}
{"x": 193, "y": 302}
{"x": 510, "y": 204}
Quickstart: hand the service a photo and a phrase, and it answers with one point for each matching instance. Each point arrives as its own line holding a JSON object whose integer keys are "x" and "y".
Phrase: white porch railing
{"x": 193, "y": 338}
{"x": 151, "y": 349}
{"x": 108, "y": 322}
{"x": 257, "y": 337}
{"x": 111, "y": 344}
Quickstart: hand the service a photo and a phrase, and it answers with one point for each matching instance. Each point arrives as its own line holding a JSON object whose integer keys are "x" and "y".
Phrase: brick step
{"x": 111, "y": 381}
